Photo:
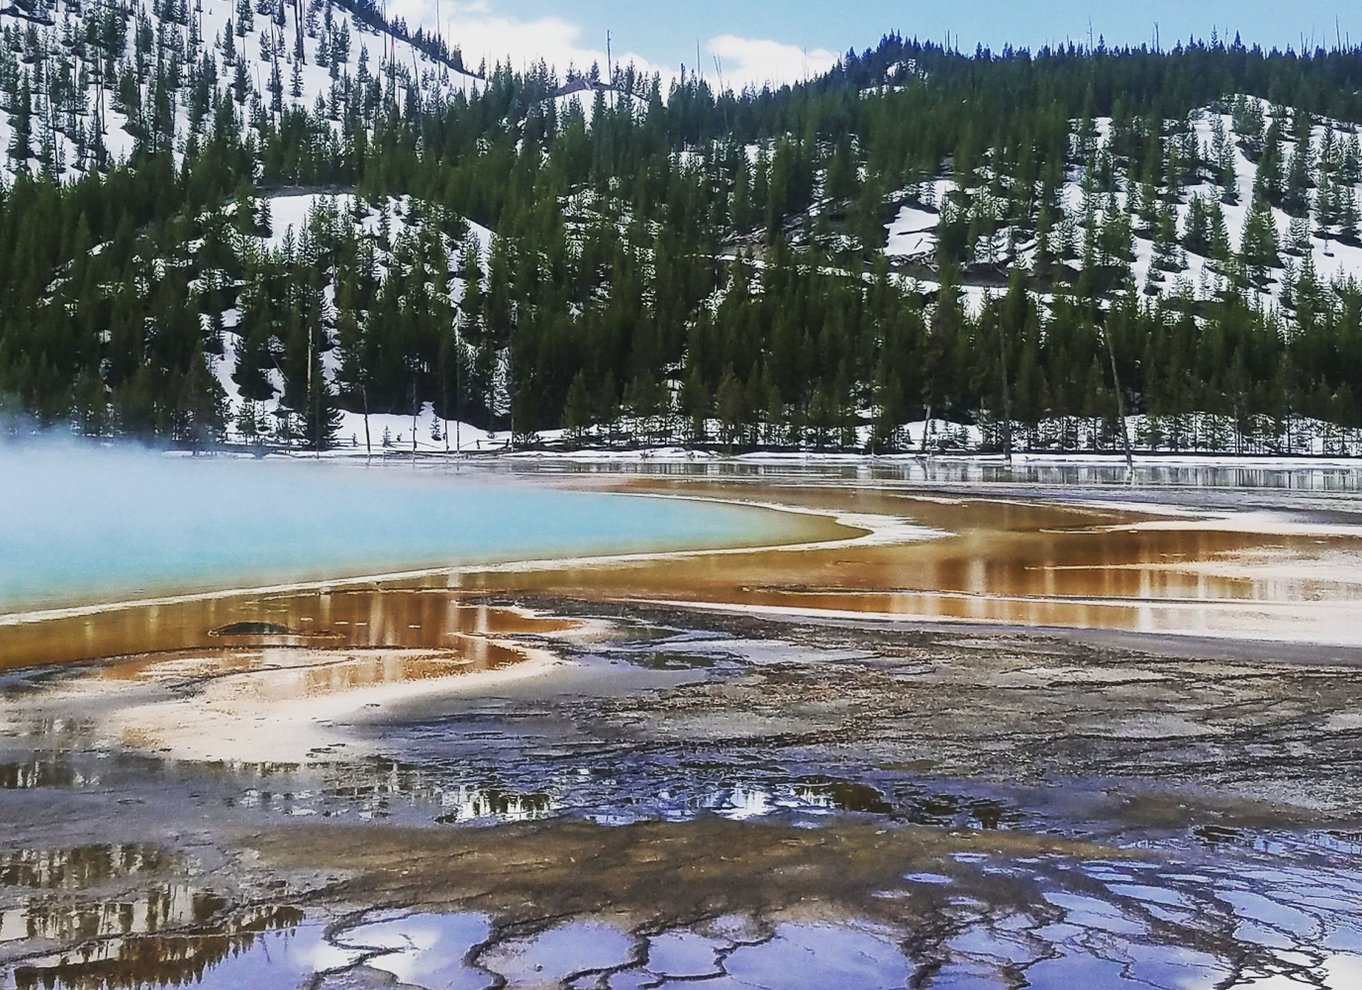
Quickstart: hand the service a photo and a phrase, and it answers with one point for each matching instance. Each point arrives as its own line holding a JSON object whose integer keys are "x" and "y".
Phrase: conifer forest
{"x": 284, "y": 224}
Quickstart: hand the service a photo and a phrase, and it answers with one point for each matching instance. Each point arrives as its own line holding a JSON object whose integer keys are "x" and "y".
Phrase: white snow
{"x": 389, "y": 58}
{"x": 912, "y": 233}
{"x": 585, "y": 102}
{"x": 291, "y": 214}
{"x": 396, "y": 433}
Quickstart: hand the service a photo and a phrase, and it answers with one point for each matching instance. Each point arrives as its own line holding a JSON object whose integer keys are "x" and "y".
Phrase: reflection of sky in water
{"x": 113, "y": 522}
{"x": 1113, "y": 934}
{"x": 1093, "y": 923}
{"x": 430, "y": 951}
{"x": 423, "y": 950}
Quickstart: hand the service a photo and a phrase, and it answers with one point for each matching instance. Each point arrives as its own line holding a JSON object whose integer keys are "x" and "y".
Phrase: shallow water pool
{"x": 101, "y": 524}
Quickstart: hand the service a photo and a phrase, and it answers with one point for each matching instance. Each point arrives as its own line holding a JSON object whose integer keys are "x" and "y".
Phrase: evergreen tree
{"x": 21, "y": 123}
{"x": 577, "y": 411}
{"x": 1259, "y": 248}
{"x": 731, "y": 409}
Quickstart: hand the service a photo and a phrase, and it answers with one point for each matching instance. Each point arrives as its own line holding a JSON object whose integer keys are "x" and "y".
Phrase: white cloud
{"x": 480, "y": 32}
{"x": 758, "y": 61}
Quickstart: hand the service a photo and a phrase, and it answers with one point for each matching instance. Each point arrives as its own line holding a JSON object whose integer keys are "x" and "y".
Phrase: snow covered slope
{"x": 393, "y": 230}
{"x": 87, "y": 80}
{"x": 1224, "y": 176}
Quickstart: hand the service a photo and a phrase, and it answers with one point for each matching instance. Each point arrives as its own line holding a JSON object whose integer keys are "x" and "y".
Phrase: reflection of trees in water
{"x": 156, "y": 959}
{"x": 1305, "y": 478}
{"x": 374, "y": 787}
{"x": 52, "y": 730}
{"x": 470, "y": 803}
{"x": 152, "y": 910}
{"x": 42, "y": 771}
{"x": 80, "y": 866}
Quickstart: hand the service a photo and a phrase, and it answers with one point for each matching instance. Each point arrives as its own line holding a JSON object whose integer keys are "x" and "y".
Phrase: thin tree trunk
{"x": 1121, "y": 410}
{"x": 1007, "y": 401}
{"x": 299, "y": 51}
{"x": 444, "y": 387}
{"x": 368, "y": 445}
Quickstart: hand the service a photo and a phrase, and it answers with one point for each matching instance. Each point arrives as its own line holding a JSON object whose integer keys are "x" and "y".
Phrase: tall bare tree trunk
{"x": 368, "y": 444}
{"x": 1120, "y": 409}
{"x": 300, "y": 53}
{"x": 1007, "y": 401}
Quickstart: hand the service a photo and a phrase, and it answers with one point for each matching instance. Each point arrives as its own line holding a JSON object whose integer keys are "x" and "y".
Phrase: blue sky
{"x": 781, "y": 40}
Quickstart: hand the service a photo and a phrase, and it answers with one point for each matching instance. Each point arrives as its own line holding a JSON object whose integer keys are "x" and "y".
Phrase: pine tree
{"x": 842, "y": 178}
{"x": 731, "y": 408}
{"x": 1196, "y": 235}
{"x": 1298, "y": 236}
{"x": 1221, "y": 250}
{"x": 1269, "y": 183}
{"x": 695, "y": 403}
{"x": 1348, "y": 218}
{"x": 577, "y": 410}
{"x": 1296, "y": 199}
{"x": 1223, "y": 157}
{"x": 21, "y": 123}
{"x": 1248, "y": 122}
{"x": 1166, "y": 240}
{"x": 276, "y": 89}
{"x": 1259, "y": 249}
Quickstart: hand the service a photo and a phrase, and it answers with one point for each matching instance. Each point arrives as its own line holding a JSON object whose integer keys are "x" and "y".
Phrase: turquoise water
{"x": 112, "y": 524}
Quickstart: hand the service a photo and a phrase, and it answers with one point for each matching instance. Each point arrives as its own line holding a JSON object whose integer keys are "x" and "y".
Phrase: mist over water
{"x": 85, "y": 522}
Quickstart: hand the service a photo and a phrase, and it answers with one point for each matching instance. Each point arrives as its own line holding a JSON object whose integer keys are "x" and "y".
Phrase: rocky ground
{"x": 724, "y": 801}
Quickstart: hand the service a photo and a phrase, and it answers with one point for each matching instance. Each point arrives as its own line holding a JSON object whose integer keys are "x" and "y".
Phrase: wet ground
{"x": 692, "y": 798}
{"x": 721, "y": 801}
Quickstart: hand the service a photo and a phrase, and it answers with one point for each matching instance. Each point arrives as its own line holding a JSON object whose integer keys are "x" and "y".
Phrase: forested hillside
{"x": 272, "y": 222}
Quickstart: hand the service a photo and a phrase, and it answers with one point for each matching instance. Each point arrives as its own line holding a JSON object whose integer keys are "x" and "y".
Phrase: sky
{"x": 760, "y": 41}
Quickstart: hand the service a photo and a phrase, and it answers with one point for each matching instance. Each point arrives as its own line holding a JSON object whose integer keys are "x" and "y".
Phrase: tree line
{"x": 709, "y": 265}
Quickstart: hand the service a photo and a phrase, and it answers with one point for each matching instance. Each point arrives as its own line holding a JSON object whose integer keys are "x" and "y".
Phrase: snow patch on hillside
{"x": 298, "y": 218}
{"x": 913, "y": 232}
{"x": 423, "y": 433}
{"x": 913, "y": 235}
{"x": 325, "y": 73}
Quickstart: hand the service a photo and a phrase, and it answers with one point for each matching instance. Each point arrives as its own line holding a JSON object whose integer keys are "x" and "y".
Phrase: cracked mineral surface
{"x": 678, "y": 790}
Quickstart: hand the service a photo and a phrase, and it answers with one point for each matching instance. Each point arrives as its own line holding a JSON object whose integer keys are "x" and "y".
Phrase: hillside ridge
{"x": 255, "y": 222}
